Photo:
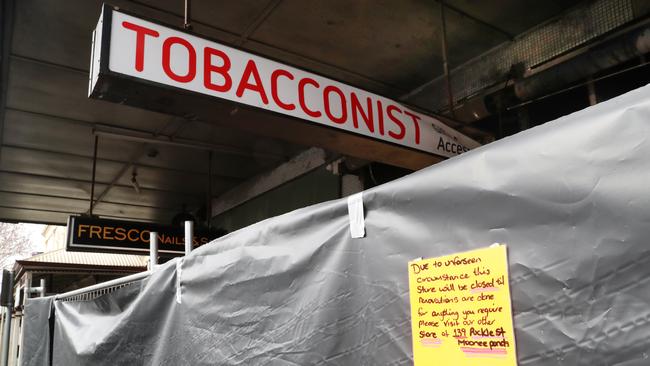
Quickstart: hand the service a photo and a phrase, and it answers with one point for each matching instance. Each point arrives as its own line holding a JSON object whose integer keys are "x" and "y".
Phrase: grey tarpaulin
{"x": 571, "y": 199}
{"x": 38, "y": 325}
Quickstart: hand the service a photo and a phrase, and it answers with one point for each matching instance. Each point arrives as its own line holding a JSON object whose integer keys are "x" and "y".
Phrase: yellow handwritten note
{"x": 460, "y": 309}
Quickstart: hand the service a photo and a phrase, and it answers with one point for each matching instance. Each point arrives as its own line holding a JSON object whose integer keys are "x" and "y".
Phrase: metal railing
{"x": 100, "y": 289}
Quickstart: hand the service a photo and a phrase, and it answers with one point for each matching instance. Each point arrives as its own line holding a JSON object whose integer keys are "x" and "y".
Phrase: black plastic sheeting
{"x": 571, "y": 199}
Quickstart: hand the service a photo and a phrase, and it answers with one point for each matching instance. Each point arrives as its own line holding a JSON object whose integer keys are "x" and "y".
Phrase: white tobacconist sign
{"x": 141, "y": 49}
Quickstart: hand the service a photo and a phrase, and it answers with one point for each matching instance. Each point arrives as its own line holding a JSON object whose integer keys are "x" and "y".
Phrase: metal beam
{"x": 71, "y": 121}
{"x": 152, "y": 138}
{"x": 469, "y": 16}
{"x": 82, "y": 181}
{"x": 36, "y": 209}
{"x": 130, "y": 204}
{"x": 257, "y": 22}
{"x": 49, "y": 64}
{"x": 128, "y": 218}
{"x": 229, "y": 178}
{"x": 7, "y": 11}
{"x": 46, "y": 201}
{"x": 125, "y": 133}
{"x": 301, "y": 164}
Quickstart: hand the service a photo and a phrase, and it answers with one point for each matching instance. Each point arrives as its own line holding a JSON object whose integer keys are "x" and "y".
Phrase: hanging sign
{"x": 114, "y": 236}
{"x": 460, "y": 309}
{"x": 131, "y": 48}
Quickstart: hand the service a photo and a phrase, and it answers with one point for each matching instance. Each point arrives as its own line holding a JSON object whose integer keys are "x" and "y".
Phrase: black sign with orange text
{"x": 114, "y": 236}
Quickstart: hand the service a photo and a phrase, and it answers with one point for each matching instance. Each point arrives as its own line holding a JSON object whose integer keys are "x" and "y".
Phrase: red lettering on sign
{"x": 326, "y": 98}
{"x": 140, "y": 32}
{"x": 358, "y": 110}
{"x": 274, "y": 89}
{"x": 244, "y": 83}
{"x": 191, "y": 59}
{"x": 416, "y": 125}
{"x": 209, "y": 68}
{"x": 402, "y": 129}
{"x": 380, "y": 117}
{"x": 301, "y": 96}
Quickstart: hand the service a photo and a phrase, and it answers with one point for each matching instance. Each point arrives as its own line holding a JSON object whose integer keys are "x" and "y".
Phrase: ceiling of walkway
{"x": 46, "y": 158}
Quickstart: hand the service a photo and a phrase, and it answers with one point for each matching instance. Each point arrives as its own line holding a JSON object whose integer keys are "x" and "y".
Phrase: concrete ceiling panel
{"x": 13, "y": 182}
{"x": 388, "y": 47}
{"x": 17, "y": 183}
{"x": 17, "y": 214}
{"x": 71, "y": 167}
{"x": 56, "y": 31}
{"x": 230, "y": 16}
{"x": 72, "y": 206}
{"x": 41, "y": 202}
{"x": 150, "y": 213}
{"x": 392, "y": 42}
{"x": 59, "y": 135}
{"x": 80, "y": 168}
{"x": 44, "y": 89}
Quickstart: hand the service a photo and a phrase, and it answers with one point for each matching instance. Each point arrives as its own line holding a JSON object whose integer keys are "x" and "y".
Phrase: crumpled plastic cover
{"x": 570, "y": 198}
{"x": 38, "y": 324}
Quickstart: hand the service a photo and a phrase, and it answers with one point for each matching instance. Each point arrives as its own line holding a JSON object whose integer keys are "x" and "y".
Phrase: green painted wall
{"x": 315, "y": 187}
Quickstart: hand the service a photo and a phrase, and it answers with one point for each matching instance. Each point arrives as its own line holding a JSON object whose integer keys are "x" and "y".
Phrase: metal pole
{"x": 153, "y": 249}
{"x": 208, "y": 209}
{"x": 445, "y": 61}
{"x": 27, "y": 290}
{"x": 6, "y": 332}
{"x": 186, "y": 20}
{"x": 42, "y": 289}
{"x": 574, "y": 86}
{"x": 92, "y": 186}
{"x": 189, "y": 235}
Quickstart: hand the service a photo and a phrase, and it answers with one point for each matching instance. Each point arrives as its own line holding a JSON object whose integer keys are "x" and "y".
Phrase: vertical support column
{"x": 351, "y": 184}
{"x": 523, "y": 118}
{"x": 209, "y": 202}
{"x": 42, "y": 289}
{"x": 153, "y": 250}
{"x": 189, "y": 236}
{"x": 500, "y": 127}
{"x": 27, "y": 290}
{"x": 591, "y": 89}
{"x": 6, "y": 332}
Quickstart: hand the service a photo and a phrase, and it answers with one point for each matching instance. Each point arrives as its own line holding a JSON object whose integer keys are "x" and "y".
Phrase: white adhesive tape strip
{"x": 179, "y": 267}
{"x": 355, "y": 213}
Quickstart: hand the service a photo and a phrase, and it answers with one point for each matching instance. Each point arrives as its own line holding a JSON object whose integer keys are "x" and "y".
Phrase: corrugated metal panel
{"x": 93, "y": 259}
